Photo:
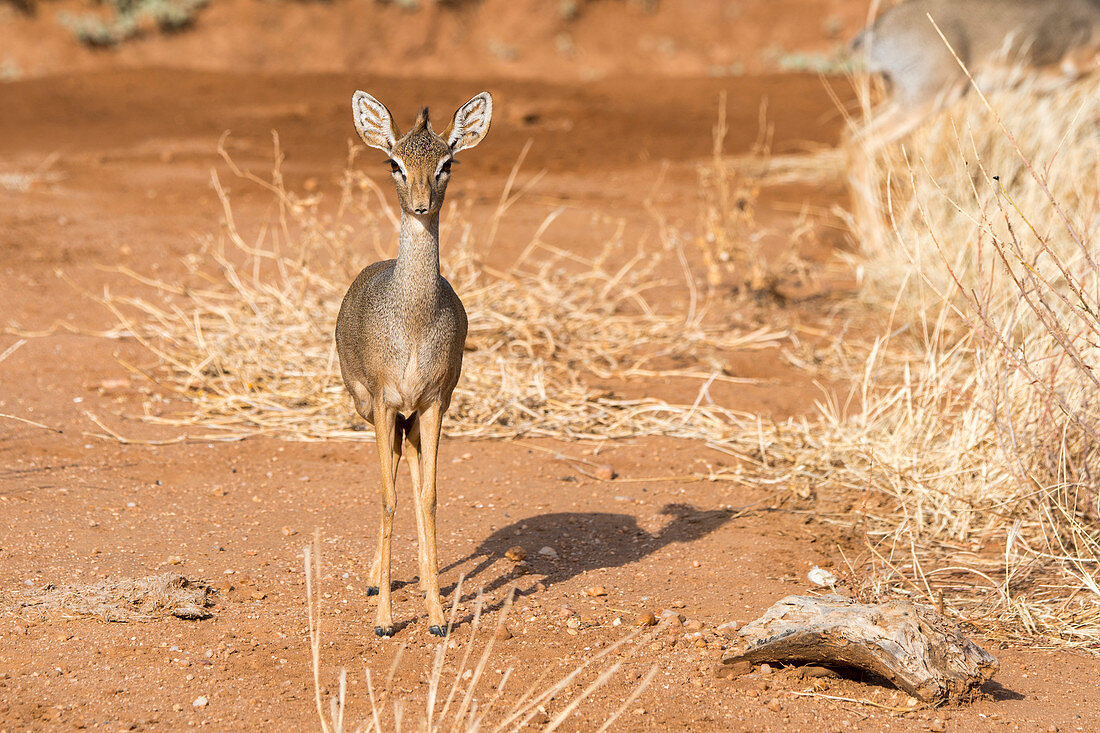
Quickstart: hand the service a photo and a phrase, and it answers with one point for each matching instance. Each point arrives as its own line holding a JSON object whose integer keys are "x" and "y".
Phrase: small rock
{"x": 821, "y": 577}
{"x": 516, "y": 554}
{"x": 775, "y": 705}
{"x": 604, "y": 472}
{"x": 257, "y": 595}
{"x": 671, "y": 618}
{"x": 765, "y": 668}
{"x": 617, "y": 622}
{"x": 200, "y": 701}
{"x": 288, "y": 532}
{"x": 937, "y": 726}
{"x": 503, "y": 633}
{"x": 549, "y": 552}
{"x": 697, "y": 681}
{"x": 694, "y": 625}
{"x": 645, "y": 619}
{"x": 521, "y": 568}
{"x": 566, "y": 612}
{"x": 573, "y": 623}
{"x": 656, "y": 646}
{"x": 677, "y": 604}
{"x": 595, "y": 591}
{"x": 639, "y": 711}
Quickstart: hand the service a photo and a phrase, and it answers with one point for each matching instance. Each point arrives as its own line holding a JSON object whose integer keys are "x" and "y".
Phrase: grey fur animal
{"x": 1050, "y": 36}
{"x": 401, "y": 331}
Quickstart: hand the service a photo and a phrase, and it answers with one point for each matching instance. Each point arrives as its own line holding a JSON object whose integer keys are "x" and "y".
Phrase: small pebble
{"x": 503, "y": 633}
{"x": 694, "y": 625}
{"x": 765, "y": 668}
{"x": 671, "y": 618}
{"x": 517, "y": 553}
{"x": 645, "y": 619}
{"x": 566, "y": 612}
{"x": 604, "y": 472}
{"x": 775, "y": 705}
{"x": 937, "y": 726}
{"x": 549, "y": 552}
{"x": 573, "y": 622}
{"x": 200, "y": 701}
{"x": 677, "y": 604}
{"x": 288, "y": 532}
{"x": 594, "y": 591}
{"x": 617, "y": 622}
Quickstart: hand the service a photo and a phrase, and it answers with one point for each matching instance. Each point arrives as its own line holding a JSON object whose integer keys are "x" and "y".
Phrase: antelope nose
{"x": 420, "y": 210}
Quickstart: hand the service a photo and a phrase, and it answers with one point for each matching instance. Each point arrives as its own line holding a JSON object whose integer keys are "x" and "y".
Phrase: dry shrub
{"x": 250, "y": 344}
{"x": 978, "y": 414}
{"x": 130, "y": 599}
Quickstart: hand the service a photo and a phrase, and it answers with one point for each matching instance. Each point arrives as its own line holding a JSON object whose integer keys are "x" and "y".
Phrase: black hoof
{"x": 437, "y": 631}
{"x": 372, "y": 590}
{"x": 383, "y": 630}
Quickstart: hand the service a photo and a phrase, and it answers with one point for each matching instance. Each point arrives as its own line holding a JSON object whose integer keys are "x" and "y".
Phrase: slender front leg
{"x": 376, "y": 566}
{"x": 430, "y": 423}
{"x": 389, "y": 452}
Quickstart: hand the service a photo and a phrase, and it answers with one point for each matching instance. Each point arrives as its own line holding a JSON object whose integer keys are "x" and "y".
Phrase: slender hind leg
{"x": 412, "y": 442}
{"x": 430, "y": 423}
{"x": 386, "y": 425}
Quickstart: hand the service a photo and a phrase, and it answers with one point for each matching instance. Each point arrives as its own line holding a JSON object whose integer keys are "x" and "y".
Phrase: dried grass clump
{"x": 131, "y": 599}
{"x": 250, "y": 345}
{"x": 975, "y": 436}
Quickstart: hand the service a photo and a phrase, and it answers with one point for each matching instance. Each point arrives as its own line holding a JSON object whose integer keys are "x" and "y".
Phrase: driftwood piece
{"x": 911, "y": 647}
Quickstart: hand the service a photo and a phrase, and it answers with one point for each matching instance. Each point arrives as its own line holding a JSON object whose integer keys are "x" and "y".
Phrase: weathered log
{"x": 911, "y": 647}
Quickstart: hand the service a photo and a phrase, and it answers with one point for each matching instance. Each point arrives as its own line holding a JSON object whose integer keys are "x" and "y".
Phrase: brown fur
{"x": 401, "y": 331}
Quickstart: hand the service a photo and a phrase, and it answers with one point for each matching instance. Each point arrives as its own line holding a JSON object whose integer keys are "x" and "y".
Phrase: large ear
{"x": 373, "y": 122}
{"x": 471, "y": 122}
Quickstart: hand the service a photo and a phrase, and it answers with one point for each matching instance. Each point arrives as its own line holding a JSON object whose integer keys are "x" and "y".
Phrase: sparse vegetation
{"x": 123, "y": 20}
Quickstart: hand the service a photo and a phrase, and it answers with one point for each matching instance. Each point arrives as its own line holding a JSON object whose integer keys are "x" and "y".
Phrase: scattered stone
{"x": 573, "y": 622}
{"x": 566, "y": 612}
{"x": 937, "y": 726}
{"x": 697, "y": 681}
{"x": 617, "y": 622}
{"x": 288, "y": 532}
{"x": 639, "y": 711}
{"x": 694, "y": 625}
{"x": 819, "y": 576}
{"x": 516, "y": 553}
{"x": 775, "y": 705}
{"x": 521, "y": 568}
{"x": 645, "y": 619}
{"x": 200, "y": 701}
{"x": 765, "y": 669}
{"x": 604, "y": 472}
{"x": 677, "y": 604}
{"x": 503, "y": 633}
{"x": 549, "y": 553}
{"x": 671, "y": 618}
{"x": 595, "y": 591}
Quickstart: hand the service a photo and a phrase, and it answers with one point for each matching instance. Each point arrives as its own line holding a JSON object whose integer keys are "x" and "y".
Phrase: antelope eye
{"x": 394, "y": 167}
{"x": 446, "y": 167}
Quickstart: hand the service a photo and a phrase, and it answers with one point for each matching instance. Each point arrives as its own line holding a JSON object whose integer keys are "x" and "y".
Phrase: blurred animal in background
{"x": 1057, "y": 40}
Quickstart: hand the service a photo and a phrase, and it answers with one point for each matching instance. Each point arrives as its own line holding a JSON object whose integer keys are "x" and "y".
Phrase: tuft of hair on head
{"x": 422, "y": 122}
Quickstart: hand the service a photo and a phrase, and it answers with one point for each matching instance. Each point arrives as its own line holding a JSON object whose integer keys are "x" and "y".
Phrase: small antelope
{"x": 401, "y": 331}
{"x": 903, "y": 45}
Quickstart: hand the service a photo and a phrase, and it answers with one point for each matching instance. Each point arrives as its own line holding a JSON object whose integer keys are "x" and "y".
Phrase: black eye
{"x": 446, "y": 168}
{"x": 395, "y": 168}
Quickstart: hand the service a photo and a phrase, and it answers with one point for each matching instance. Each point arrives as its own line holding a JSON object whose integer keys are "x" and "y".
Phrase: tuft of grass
{"x": 459, "y": 697}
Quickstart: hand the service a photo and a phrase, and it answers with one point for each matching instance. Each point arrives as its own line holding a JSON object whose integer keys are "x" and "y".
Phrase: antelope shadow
{"x": 584, "y": 541}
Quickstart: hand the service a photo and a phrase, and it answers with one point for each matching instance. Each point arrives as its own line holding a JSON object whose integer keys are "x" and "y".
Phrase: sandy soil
{"x": 127, "y": 185}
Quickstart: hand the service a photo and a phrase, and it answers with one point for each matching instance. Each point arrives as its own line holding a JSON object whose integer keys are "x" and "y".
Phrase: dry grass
{"x": 131, "y": 599}
{"x": 972, "y": 438}
{"x": 250, "y": 345}
{"x": 459, "y": 698}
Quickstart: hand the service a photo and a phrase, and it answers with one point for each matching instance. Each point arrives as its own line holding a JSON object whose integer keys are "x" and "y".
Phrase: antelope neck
{"x": 417, "y": 270}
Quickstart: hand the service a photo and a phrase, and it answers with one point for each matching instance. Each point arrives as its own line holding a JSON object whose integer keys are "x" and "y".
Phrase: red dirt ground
{"x": 130, "y": 187}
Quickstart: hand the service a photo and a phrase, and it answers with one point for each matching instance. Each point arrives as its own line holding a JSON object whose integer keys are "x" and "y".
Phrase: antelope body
{"x": 401, "y": 331}
{"x": 1053, "y": 37}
